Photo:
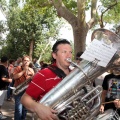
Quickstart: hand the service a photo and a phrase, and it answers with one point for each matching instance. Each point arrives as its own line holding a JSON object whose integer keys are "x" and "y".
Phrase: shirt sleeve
{"x": 4, "y": 73}
{"x": 105, "y": 83}
{"x": 16, "y": 70}
{"x": 36, "y": 88}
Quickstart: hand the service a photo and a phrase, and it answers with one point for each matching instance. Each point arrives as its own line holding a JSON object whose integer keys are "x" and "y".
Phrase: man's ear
{"x": 54, "y": 55}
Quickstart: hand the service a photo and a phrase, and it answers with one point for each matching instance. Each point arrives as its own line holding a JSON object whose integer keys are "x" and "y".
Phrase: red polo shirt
{"x": 42, "y": 82}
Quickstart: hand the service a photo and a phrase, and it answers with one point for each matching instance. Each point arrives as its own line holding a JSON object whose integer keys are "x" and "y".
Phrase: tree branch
{"x": 93, "y": 19}
{"x": 81, "y": 10}
{"x": 44, "y": 50}
{"x": 101, "y": 18}
{"x": 62, "y": 11}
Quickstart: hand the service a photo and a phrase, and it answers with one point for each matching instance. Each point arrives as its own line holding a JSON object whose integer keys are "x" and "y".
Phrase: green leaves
{"x": 31, "y": 21}
{"x": 112, "y": 8}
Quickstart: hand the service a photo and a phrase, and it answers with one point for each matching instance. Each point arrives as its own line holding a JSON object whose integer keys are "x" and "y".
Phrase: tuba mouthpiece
{"x": 69, "y": 60}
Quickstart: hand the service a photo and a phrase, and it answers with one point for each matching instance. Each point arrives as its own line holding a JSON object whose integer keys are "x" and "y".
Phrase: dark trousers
{"x": 20, "y": 110}
{"x": 9, "y": 90}
{"x": 111, "y": 106}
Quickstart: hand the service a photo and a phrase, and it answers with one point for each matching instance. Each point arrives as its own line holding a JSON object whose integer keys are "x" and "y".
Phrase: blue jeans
{"x": 9, "y": 91}
{"x": 20, "y": 110}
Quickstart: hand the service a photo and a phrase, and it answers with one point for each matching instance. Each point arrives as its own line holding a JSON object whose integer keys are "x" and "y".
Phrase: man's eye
{"x": 64, "y": 52}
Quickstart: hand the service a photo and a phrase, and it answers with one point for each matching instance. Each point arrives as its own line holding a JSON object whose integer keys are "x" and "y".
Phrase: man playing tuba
{"x": 46, "y": 79}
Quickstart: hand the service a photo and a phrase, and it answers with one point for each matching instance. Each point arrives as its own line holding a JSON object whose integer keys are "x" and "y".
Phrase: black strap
{"x": 57, "y": 71}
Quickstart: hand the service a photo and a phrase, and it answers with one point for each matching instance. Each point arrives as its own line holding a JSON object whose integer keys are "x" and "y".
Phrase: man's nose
{"x": 69, "y": 55}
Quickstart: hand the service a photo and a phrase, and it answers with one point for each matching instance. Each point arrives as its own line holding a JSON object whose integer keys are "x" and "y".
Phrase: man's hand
{"x": 102, "y": 108}
{"x": 26, "y": 68}
{"x": 9, "y": 80}
{"x": 117, "y": 103}
{"x": 45, "y": 113}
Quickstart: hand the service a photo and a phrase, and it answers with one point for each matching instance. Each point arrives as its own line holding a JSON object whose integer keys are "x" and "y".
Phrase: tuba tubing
{"x": 72, "y": 81}
{"x": 20, "y": 88}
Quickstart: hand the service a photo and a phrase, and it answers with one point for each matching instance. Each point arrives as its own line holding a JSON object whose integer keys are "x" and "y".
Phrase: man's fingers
{"x": 116, "y": 102}
{"x": 54, "y": 111}
{"x": 55, "y": 117}
{"x": 101, "y": 110}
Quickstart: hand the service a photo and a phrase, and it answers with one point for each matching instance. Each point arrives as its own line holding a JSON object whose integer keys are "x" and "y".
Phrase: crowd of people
{"x": 12, "y": 74}
{"x": 44, "y": 77}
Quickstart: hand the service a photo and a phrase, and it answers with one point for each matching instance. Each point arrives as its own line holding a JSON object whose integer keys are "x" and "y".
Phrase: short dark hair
{"x": 78, "y": 56}
{"x": 58, "y": 42}
{"x": 11, "y": 61}
{"x": 4, "y": 59}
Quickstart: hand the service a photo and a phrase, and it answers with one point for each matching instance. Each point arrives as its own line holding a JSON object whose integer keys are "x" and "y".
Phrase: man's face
{"x": 116, "y": 71}
{"x": 64, "y": 51}
{"x": 26, "y": 61}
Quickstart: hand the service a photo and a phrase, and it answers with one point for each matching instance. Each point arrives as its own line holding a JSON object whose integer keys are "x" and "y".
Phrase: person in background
{"x": 43, "y": 65}
{"x": 10, "y": 70}
{"x": 48, "y": 78}
{"x": 36, "y": 64}
{"x": 20, "y": 75}
{"x": 4, "y": 82}
{"x": 18, "y": 62}
{"x": 111, "y": 91}
{"x": 78, "y": 59}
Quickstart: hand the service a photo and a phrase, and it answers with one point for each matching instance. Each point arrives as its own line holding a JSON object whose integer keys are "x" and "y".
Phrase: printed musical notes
{"x": 99, "y": 50}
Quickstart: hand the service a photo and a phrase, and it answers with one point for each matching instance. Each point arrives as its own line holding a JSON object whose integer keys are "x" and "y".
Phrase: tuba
{"x": 75, "y": 98}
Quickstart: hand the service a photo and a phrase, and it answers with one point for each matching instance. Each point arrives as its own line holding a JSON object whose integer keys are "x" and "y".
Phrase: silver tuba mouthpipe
{"x": 76, "y": 65}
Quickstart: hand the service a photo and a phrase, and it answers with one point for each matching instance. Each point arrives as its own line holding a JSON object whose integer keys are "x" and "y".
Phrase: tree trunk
{"x": 31, "y": 49}
{"x": 78, "y": 22}
{"x": 79, "y": 39}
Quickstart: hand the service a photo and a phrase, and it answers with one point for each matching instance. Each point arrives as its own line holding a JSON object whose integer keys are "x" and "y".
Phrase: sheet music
{"x": 99, "y": 50}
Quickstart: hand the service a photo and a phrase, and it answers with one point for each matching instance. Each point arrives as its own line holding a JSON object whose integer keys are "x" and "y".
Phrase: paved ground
{"x": 8, "y": 111}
